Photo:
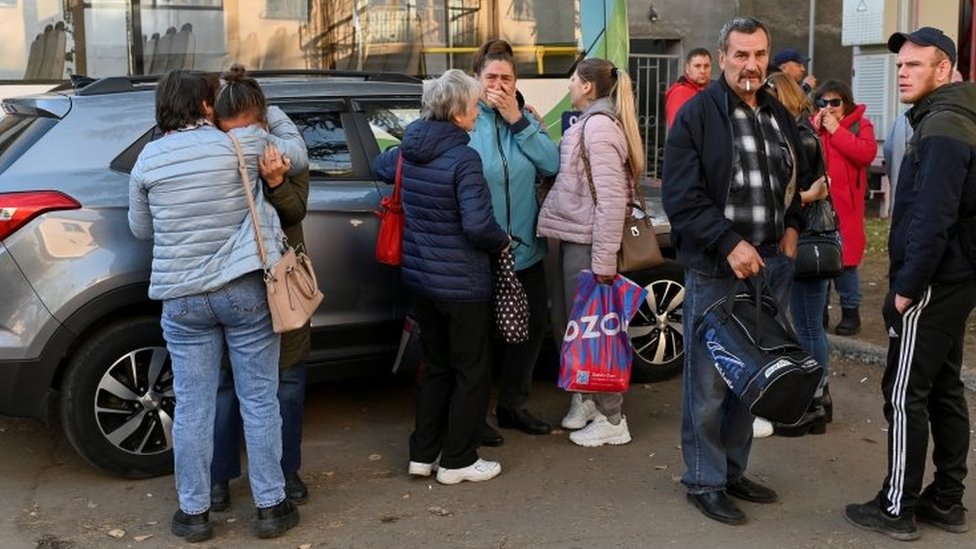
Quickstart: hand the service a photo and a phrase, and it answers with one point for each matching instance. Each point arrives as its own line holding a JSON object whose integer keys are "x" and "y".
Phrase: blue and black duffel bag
{"x": 757, "y": 355}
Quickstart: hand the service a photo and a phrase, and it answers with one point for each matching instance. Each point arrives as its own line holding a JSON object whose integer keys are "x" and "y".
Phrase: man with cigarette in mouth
{"x": 728, "y": 193}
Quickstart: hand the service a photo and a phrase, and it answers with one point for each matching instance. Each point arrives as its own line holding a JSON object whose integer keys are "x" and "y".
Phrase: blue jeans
{"x": 716, "y": 429}
{"x": 196, "y": 329}
{"x": 848, "y": 285}
{"x": 227, "y": 427}
{"x": 807, "y": 305}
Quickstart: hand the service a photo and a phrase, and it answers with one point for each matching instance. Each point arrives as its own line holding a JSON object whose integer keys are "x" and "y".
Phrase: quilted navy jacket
{"x": 450, "y": 233}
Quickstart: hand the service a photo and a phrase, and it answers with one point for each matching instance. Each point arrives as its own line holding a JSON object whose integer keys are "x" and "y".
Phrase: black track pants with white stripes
{"x": 922, "y": 387}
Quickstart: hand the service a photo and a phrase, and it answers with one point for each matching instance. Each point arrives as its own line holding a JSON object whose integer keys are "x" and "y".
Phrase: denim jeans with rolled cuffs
{"x": 716, "y": 428}
{"x": 197, "y": 328}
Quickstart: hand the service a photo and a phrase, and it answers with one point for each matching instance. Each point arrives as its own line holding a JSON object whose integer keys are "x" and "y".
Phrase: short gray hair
{"x": 448, "y": 95}
{"x": 745, "y": 25}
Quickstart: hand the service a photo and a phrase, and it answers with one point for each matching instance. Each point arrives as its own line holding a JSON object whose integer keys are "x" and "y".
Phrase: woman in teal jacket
{"x": 515, "y": 151}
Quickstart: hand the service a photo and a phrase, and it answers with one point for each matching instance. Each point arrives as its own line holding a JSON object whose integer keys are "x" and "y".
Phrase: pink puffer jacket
{"x": 568, "y": 212}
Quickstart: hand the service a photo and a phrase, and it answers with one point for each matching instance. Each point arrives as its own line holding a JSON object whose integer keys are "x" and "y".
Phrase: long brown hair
{"x": 789, "y": 93}
{"x": 610, "y": 81}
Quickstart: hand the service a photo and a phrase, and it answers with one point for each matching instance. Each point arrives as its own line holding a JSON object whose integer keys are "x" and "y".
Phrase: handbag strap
{"x": 398, "y": 178}
{"x": 246, "y": 181}
{"x": 585, "y": 157}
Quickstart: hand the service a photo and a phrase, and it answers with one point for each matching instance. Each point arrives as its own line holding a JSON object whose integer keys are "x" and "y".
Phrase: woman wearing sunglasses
{"x": 849, "y": 147}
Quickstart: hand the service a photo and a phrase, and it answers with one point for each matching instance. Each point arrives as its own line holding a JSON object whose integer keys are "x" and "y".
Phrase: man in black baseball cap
{"x": 932, "y": 290}
{"x": 794, "y": 64}
{"x": 925, "y": 36}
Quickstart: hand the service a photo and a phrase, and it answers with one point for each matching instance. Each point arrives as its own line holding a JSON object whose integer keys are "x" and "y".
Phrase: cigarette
{"x": 748, "y": 85}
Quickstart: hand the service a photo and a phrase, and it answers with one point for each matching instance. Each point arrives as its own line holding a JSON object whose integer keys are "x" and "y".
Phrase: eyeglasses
{"x": 836, "y": 102}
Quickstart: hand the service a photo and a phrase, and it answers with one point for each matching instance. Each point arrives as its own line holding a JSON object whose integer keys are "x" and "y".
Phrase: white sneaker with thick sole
{"x": 476, "y": 472}
{"x": 601, "y": 432}
{"x": 421, "y": 469}
{"x": 580, "y": 413}
{"x": 761, "y": 428}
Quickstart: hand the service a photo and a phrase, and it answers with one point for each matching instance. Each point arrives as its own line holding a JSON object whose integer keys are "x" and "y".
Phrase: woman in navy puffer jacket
{"x": 450, "y": 236}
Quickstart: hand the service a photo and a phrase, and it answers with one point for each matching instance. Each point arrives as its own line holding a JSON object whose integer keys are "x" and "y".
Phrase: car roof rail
{"x": 110, "y": 84}
{"x": 86, "y": 85}
{"x": 369, "y": 76}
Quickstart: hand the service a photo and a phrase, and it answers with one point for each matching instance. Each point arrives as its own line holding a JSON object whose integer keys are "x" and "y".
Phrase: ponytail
{"x": 626, "y": 111}
{"x": 610, "y": 81}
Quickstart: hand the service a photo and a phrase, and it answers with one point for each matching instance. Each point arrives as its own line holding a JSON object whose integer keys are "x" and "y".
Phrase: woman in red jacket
{"x": 849, "y": 147}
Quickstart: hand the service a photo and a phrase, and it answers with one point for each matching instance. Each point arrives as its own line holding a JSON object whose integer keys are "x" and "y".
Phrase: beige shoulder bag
{"x": 639, "y": 248}
{"x": 293, "y": 291}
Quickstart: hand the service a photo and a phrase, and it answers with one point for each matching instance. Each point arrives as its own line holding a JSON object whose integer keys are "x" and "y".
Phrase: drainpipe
{"x": 810, "y": 38}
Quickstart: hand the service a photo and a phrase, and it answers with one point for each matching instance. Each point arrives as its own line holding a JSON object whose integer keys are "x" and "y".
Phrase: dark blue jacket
{"x": 935, "y": 190}
{"x": 450, "y": 233}
{"x": 698, "y": 170}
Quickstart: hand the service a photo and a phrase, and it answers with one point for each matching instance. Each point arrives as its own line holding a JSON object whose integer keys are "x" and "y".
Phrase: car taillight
{"x": 16, "y": 209}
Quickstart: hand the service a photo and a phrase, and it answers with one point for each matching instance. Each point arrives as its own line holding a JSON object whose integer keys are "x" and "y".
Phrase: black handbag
{"x": 757, "y": 355}
{"x": 818, "y": 252}
{"x": 511, "y": 303}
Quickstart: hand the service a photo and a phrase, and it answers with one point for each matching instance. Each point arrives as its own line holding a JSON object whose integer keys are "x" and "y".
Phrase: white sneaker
{"x": 580, "y": 412}
{"x": 761, "y": 428}
{"x": 476, "y": 472}
{"x": 601, "y": 432}
{"x": 421, "y": 469}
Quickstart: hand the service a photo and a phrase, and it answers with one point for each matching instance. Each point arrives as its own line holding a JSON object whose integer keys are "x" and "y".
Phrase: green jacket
{"x": 290, "y": 199}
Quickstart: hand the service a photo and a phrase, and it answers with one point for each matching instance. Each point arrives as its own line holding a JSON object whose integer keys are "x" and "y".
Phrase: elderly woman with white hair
{"x": 450, "y": 236}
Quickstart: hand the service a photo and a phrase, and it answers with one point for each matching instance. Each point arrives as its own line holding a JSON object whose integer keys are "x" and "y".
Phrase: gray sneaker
{"x": 870, "y": 516}
{"x": 951, "y": 518}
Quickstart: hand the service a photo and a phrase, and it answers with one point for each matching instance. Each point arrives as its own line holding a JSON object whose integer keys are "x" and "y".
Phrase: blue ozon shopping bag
{"x": 596, "y": 354}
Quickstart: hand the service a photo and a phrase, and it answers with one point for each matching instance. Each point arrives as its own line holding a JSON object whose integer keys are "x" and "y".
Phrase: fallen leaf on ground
{"x": 439, "y": 511}
{"x": 375, "y": 457}
{"x": 117, "y": 533}
{"x": 142, "y": 538}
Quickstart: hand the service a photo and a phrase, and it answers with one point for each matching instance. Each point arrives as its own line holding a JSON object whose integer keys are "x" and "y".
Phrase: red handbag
{"x": 389, "y": 240}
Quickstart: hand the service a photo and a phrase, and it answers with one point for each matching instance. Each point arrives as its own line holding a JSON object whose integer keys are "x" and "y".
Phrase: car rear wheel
{"x": 656, "y": 331}
{"x": 117, "y": 399}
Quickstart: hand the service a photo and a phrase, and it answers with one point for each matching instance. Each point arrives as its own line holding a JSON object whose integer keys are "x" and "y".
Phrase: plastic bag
{"x": 596, "y": 354}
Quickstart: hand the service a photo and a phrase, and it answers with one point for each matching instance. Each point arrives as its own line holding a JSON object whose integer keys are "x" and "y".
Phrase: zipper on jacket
{"x": 508, "y": 196}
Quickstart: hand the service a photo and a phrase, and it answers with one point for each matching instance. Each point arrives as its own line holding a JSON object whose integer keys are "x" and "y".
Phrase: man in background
{"x": 698, "y": 73}
{"x": 793, "y": 63}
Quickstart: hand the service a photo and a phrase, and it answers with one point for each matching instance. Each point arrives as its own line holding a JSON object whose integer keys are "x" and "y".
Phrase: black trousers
{"x": 519, "y": 359}
{"x": 452, "y": 395}
{"x": 922, "y": 387}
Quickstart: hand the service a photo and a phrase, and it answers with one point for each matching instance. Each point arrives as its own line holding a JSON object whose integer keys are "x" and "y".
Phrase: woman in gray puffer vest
{"x": 186, "y": 195}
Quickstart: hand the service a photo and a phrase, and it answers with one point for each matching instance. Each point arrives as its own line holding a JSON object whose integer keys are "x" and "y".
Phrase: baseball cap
{"x": 924, "y": 36}
{"x": 789, "y": 54}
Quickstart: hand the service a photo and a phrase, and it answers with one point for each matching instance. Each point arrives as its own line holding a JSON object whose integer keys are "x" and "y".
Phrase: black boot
{"x": 814, "y": 422}
{"x": 850, "y": 322}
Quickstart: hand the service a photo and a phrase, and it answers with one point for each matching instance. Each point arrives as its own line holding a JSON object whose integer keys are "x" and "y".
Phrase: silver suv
{"x": 78, "y": 335}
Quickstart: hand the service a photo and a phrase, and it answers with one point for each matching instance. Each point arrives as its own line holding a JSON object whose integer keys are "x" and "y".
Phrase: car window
{"x": 17, "y": 133}
{"x": 325, "y": 137}
{"x": 388, "y": 119}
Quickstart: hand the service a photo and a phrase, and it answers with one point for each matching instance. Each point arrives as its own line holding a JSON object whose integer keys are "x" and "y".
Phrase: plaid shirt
{"x": 762, "y": 165}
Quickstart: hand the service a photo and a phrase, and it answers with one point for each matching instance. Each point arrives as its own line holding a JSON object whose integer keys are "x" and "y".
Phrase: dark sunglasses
{"x": 821, "y": 103}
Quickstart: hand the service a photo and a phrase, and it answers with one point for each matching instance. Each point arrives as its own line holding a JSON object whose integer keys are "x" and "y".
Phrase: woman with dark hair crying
{"x": 515, "y": 151}
{"x": 242, "y": 110}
